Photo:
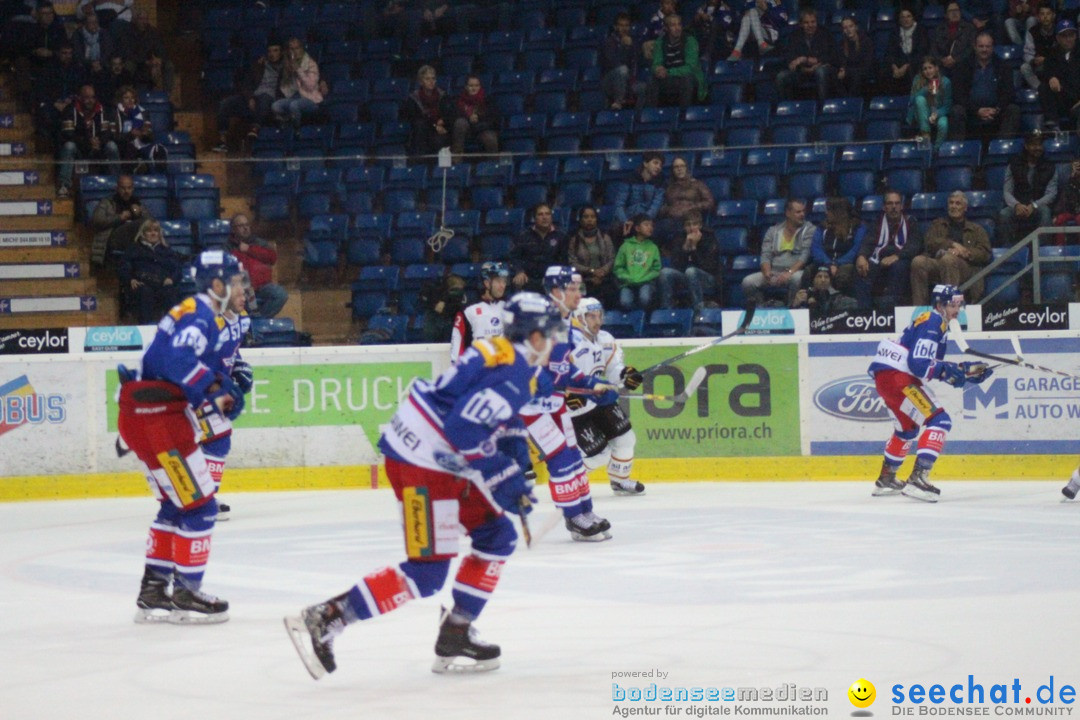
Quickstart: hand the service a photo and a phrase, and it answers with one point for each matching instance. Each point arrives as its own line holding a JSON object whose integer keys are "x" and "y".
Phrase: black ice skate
{"x": 919, "y": 487}
{"x": 588, "y": 527}
{"x": 154, "y": 601}
{"x": 1069, "y": 491}
{"x": 459, "y": 650}
{"x": 313, "y": 633}
{"x": 223, "y": 512}
{"x": 887, "y": 484}
{"x": 627, "y": 487}
{"x": 194, "y": 607}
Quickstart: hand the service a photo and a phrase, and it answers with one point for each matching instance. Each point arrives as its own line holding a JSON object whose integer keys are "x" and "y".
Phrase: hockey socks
{"x": 898, "y": 447}
{"x": 932, "y": 442}
{"x": 475, "y": 581}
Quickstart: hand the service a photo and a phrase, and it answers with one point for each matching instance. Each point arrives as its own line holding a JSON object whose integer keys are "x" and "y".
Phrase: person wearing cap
{"x": 1060, "y": 94}
{"x": 983, "y": 104}
{"x": 822, "y": 299}
{"x": 637, "y": 266}
{"x": 1030, "y": 190}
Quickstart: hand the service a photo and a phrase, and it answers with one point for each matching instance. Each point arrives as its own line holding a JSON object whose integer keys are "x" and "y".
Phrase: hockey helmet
{"x": 215, "y": 264}
{"x": 946, "y": 294}
{"x": 527, "y": 312}
{"x": 559, "y": 276}
{"x": 588, "y": 305}
{"x": 494, "y": 269}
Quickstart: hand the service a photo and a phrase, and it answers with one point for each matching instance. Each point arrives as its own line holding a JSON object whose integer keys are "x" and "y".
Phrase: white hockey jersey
{"x": 599, "y": 357}
{"x": 478, "y": 321}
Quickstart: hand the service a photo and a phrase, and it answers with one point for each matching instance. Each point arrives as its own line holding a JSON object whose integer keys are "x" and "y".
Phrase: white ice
{"x": 722, "y": 585}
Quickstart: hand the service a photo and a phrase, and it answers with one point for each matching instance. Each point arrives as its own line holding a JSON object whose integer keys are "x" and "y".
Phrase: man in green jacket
{"x": 676, "y": 71}
{"x": 637, "y": 266}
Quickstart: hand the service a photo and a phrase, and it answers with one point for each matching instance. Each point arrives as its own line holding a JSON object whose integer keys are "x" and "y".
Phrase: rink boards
{"x": 773, "y": 407}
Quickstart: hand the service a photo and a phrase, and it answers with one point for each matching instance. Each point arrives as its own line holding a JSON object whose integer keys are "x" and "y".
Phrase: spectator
{"x": 536, "y": 248}
{"x": 853, "y": 60}
{"x": 637, "y": 266}
{"x": 87, "y": 132}
{"x": 436, "y": 18}
{"x": 42, "y": 40}
{"x": 592, "y": 254}
{"x": 152, "y": 67}
{"x": 134, "y": 134}
{"x": 655, "y": 27}
{"x": 643, "y": 196}
{"x": 258, "y": 257}
{"x": 475, "y": 119}
{"x": 113, "y": 76}
{"x": 954, "y": 249}
{"x": 1022, "y": 18}
{"x": 93, "y": 46}
{"x": 1030, "y": 189}
{"x": 984, "y": 17}
{"x": 116, "y": 221}
{"x": 682, "y": 196}
{"x": 1039, "y": 43}
{"x": 148, "y": 273}
{"x": 1067, "y": 211}
{"x": 952, "y": 40}
{"x": 821, "y": 298}
{"x": 429, "y": 110}
{"x": 56, "y": 90}
{"x": 302, "y": 91}
{"x": 883, "y": 266}
{"x": 105, "y": 10}
{"x": 714, "y": 25}
{"x": 983, "y": 95}
{"x": 763, "y": 20}
{"x": 695, "y": 265}
{"x": 785, "y": 251}
{"x": 809, "y": 50}
{"x": 1060, "y": 94}
{"x": 837, "y": 243}
{"x": 676, "y": 77}
{"x": 442, "y": 301}
{"x": 619, "y": 55}
{"x": 931, "y": 102}
{"x": 258, "y": 89}
{"x": 908, "y": 45}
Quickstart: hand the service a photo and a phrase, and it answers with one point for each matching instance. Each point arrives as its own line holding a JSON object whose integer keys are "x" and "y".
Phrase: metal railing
{"x": 1034, "y": 265}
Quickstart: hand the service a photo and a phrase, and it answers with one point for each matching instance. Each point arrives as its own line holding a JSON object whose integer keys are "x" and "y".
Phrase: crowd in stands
{"x": 689, "y": 154}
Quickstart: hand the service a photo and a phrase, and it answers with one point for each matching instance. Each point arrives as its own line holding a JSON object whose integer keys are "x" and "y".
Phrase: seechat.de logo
{"x": 852, "y": 398}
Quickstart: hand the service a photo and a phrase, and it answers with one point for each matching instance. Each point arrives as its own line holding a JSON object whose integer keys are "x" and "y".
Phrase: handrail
{"x": 1031, "y": 239}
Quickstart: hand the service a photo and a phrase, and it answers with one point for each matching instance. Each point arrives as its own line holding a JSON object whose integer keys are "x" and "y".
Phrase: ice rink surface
{"x": 717, "y": 585}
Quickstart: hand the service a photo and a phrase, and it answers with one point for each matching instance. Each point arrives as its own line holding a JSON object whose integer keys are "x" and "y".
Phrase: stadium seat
{"x": 213, "y": 234}
{"x": 984, "y": 203}
{"x": 794, "y": 112}
{"x": 948, "y": 179}
{"x": 399, "y": 201}
{"x": 758, "y": 187}
{"x": 495, "y": 247}
{"x": 764, "y": 161}
{"x": 363, "y": 251}
{"x": 407, "y": 251}
{"x": 394, "y": 326}
{"x": 736, "y": 213}
{"x": 177, "y": 233}
{"x": 487, "y": 198}
{"x": 908, "y": 155}
{"x": 702, "y": 117}
{"x": 574, "y": 195}
{"x": 653, "y": 119}
{"x": 582, "y": 169}
{"x": 624, "y": 325}
{"x": 747, "y": 115}
{"x": 955, "y": 153}
{"x": 861, "y": 157}
{"x": 707, "y": 323}
{"x": 928, "y": 206}
{"x": 807, "y": 184}
{"x": 508, "y": 221}
{"x": 455, "y": 251}
{"x": 841, "y": 110}
{"x": 197, "y": 197}
{"x": 856, "y": 183}
{"x": 906, "y": 181}
{"x": 732, "y": 241}
{"x": 670, "y": 322}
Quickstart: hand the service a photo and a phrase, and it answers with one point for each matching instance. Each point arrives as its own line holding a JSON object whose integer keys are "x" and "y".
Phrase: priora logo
{"x": 852, "y": 398}
{"x": 20, "y": 405}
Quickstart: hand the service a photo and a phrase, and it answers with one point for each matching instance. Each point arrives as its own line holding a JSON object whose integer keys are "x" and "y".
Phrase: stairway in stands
{"x": 45, "y": 278}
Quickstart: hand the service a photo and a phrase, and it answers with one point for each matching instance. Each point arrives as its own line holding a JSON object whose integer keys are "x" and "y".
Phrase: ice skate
{"x": 223, "y": 512}
{"x": 154, "y": 601}
{"x": 459, "y": 650}
{"x": 627, "y": 487}
{"x": 887, "y": 484}
{"x": 194, "y": 607}
{"x": 919, "y": 487}
{"x": 588, "y": 527}
{"x": 1069, "y": 491}
{"x": 313, "y": 633}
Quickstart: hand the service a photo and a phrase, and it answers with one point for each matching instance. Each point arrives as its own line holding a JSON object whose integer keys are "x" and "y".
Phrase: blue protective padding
{"x": 201, "y": 518}
{"x": 496, "y": 537}
{"x": 429, "y": 577}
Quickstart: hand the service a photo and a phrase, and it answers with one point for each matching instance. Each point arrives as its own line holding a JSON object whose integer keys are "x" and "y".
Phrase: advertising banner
{"x": 1016, "y": 411}
{"x": 1027, "y": 317}
{"x": 747, "y": 406}
{"x": 39, "y": 341}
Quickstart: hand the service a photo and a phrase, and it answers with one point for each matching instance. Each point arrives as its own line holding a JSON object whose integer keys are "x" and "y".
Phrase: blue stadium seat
{"x": 928, "y": 206}
{"x": 557, "y": 80}
{"x": 758, "y": 187}
{"x": 463, "y": 44}
{"x": 495, "y": 247}
{"x": 887, "y": 108}
{"x": 358, "y": 201}
{"x": 882, "y": 130}
{"x": 732, "y": 241}
{"x": 407, "y": 250}
{"x": 861, "y": 157}
{"x": 177, "y": 233}
{"x": 736, "y": 213}
{"x": 540, "y": 59}
{"x": 527, "y": 195}
{"x": 469, "y": 271}
{"x": 871, "y": 206}
{"x": 841, "y": 110}
{"x": 455, "y": 251}
{"x": 1061, "y": 149}
{"x": 789, "y": 135}
{"x": 702, "y": 117}
{"x": 856, "y": 183}
{"x": 717, "y": 163}
{"x": 948, "y": 179}
{"x": 624, "y": 325}
{"x": 153, "y": 193}
{"x": 568, "y": 123}
{"x": 670, "y": 322}
{"x": 747, "y": 115}
{"x": 955, "y": 153}
{"x": 719, "y": 186}
{"x": 614, "y": 121}
{"x": 582, "y": 169}
{"x": 488, "y": 198}
{"x": 394, "y": 325}
{"x": 656, "y": 119}
{"x": 407, "y": 178}
{"x": 906, "y": 181}
{"x": 724, "y": 94}
{"x": 538, "y": 170}
{"x": 375, "y": 226}
{"x": 606, "y": 141}
{"x": 549, "y": 103}
{"x": 197, "y": 197}
{"x": 398, "y": 201}
{"x": 213, "y": 234}
{"x": 580, "y": 58}
{"x": 520, "y": 81}
{"x": 320, "y": 253}
{"x": 493, "y": 172}
{"x": 273, "y": 205}
{"x": 92, "y": 190}
{"x": 908, "y": 155}
{"x": 507, "y": 221}
{"x": 765, "y": 161}
{"x": 574, "y": 195}
{"x": 363, "y": 251}
{"x": 563, "y": 144}
{"x": 652, "y": 140}
{"x": 465, "y": 222}
{"x": 806, "y": 184}
{"x": 367, "y": 303}
{"x": 707, "y": 323}
{"x": 794, "y": 112}
{"x": 984, "y": 203}
{"x": 1009, "y": 293}
{"x": 836, "y": 132}
{"x": 274, "y": 332}
{"x": 819, "y": 159}
{"x": 368, "y": 178}
{"x": 334, "y": 227}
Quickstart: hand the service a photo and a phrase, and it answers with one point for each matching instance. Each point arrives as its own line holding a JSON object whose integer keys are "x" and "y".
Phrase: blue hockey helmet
{"x": 527, "y": 312}
{"x": 215, "y": 264}
{"x": 494, "y": 269}
{"x": 945, "y": 294}
{"x": 559, "y": 276}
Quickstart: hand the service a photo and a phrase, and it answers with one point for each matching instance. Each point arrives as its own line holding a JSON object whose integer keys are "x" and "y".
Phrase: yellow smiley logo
{"x": 862, "y": 693}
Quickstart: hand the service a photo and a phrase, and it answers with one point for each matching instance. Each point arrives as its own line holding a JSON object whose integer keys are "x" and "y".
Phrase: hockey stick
{"x": 747, "y": 318}
{"x": 1019, "y": 361}
{"x": 691, "y": 387}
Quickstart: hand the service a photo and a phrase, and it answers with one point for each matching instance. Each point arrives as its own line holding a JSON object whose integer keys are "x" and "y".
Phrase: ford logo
{"x": 852, "y": 398}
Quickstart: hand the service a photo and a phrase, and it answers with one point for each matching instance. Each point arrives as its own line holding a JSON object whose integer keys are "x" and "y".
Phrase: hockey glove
{"x": 976, "y": 372}
{"x": 232, "y": 395}
{"x": 126, "y": 374}
{"x": 631, "y": 378}
{"x": 506, "y": 482}
{"x": 574, "y": 402}
{"x": 949, "y": 372}
{"x": 243, "y": 376}
{"x": 545, "y": 384}
{"x": 515, "y": 444}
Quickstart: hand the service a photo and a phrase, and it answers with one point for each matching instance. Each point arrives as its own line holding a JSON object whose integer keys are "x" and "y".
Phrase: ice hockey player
{"x": 481, "y": 319}
{"x": 451, "y": 456}
{"x": 899, "y": 369}
{"x": 157, "y": 422}
{"x": 216, "y": 429}
{"x": 550, "y": 427}
{"x": 603, "y": 430}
